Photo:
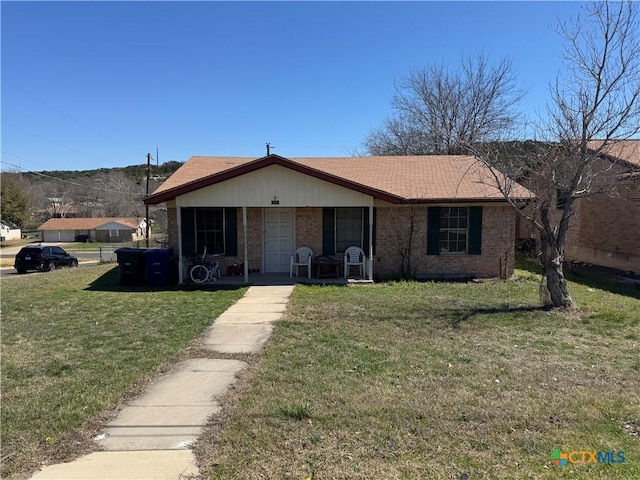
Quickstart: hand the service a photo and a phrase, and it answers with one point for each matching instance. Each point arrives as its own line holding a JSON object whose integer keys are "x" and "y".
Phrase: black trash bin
{"x": 132, "y": 268}
{"x": 158, "y": 261}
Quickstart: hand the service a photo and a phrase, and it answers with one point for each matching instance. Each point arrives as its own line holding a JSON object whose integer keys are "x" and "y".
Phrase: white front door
{"x": 278, "y": 239}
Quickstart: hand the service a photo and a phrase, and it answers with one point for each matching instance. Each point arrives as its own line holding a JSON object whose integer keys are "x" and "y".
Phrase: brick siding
{"x": 608, "y": 230}
{"x": 603, "y": 230}
{"x": 172, "y": 229}
{"x": 309, "y": 229}
{"x": 393, "y": 224}
{"x": 496, "y": 260}
{"x": 254, "y": 241}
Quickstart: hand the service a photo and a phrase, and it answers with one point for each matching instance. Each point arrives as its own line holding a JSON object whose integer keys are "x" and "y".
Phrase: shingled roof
{"x": 87, "y": 223}
{"x": 626, "y": 150}
{"x": 395, "y": 179}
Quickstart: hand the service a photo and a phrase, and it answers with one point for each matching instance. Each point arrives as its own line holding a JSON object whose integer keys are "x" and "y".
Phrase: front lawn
{"x": 433, "y": 380}
{"x": 74, "y": 344}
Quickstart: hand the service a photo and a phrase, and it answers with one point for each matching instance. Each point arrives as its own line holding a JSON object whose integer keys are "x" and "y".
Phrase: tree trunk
{"x": 404, "y": 238}
{"x": 552, "y": 269}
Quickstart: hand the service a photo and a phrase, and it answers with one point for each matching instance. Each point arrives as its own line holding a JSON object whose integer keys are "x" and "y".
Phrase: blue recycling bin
{"x": 158, "y": 263}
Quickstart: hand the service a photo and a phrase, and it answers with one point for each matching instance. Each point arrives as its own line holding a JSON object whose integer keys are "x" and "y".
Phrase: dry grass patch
{"x": 432, "y": 380}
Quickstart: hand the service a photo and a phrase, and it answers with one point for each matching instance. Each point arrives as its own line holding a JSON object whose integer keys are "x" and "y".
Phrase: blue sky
{"x": 99, "y": 84}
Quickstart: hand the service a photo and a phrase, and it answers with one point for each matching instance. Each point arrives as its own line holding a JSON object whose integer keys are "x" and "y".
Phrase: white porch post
{"x": 246, "y": 249}
{"x": 370, "y": 269}
{"x": 180, "y": 249}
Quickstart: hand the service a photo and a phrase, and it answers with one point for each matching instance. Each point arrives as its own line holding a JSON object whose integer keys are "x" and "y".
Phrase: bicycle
{"x": 206, "y": 270}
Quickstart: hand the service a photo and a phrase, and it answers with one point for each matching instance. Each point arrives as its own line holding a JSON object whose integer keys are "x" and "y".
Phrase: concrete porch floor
{"x": 283, "y": 279}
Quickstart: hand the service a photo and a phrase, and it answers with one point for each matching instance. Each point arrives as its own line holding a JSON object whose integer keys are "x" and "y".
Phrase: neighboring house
{"x": 58, "y": 208}
{"x": 607, "y": 229}
{"x": 436, "y": 216}
{"x": 604, "y": 229}
{"x": 9, "y": 233}
{"x": 114, "y": 230}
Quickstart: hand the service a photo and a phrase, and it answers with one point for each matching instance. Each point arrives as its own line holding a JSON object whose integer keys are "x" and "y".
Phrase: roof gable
{"x": 393, "y": 179}
{"x": 189, "y": 179}
{"x": 274, "y": 185}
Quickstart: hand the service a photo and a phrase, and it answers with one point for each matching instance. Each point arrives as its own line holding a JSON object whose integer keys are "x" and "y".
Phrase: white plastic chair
{"x": 354, "y": 256}
{"x": 301, "y": 258}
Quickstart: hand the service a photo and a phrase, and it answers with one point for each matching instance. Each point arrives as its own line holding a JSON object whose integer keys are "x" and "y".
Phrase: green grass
{"x": 432, "y": 380}
{"x": 74, "y": 344}
{"x": 396, "y": 380}
{"x": 94, "y": 246}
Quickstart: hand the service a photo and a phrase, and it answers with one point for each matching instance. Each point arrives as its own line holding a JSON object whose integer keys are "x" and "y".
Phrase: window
{"x": 344, "y": 227}
{"x": 209, "y": 230}
{"x": 215, "y": 228}
{"x": 453, "y": 229}
{"x": 349, "y": 228}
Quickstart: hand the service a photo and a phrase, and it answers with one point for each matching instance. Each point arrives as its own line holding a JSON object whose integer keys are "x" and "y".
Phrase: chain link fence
{"x": 108, "y": 253}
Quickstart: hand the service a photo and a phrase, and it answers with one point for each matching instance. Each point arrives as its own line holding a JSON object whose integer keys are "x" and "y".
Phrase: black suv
{"x": 37, "y": 257}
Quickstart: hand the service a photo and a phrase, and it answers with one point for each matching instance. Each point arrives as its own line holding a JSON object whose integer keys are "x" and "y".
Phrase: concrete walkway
{"x": 150, "y": 438}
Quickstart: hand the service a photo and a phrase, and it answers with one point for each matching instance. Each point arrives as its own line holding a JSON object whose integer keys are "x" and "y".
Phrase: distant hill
{"x": 135, "y": 173}
{"x": 103, "y": 192}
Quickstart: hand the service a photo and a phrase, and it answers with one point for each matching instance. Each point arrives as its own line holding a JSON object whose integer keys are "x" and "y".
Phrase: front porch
{"x": 256, "y": 242}
{"x": 279, "y": 279}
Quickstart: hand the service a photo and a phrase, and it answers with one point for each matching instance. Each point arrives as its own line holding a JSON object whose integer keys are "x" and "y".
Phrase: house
{"x": 426, "y": 216}
{"x": 8, "y": 232}
{"x": 606, "y": 229}
{"x": 58, "y": 208}
{"x": 108, "y": 229}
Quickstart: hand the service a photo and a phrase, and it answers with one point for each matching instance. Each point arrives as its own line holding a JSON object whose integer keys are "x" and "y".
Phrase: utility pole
{"x": 146, "y": 220}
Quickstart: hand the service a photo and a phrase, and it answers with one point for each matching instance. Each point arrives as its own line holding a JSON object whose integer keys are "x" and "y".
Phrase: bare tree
{"x": 121, "y": 196}
{"x": 85, "y": 200}
{"x": 404, "y": 224}
{"x": 398, "y": 136}
{"x": 596, "y": 104}
{"x": 438, "y": 111}
{"x": 54, "y": 199}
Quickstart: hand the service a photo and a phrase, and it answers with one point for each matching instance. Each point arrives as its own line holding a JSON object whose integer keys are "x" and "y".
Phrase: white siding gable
{"x": 261, "y": 187}
{"x": 114, "y": 226}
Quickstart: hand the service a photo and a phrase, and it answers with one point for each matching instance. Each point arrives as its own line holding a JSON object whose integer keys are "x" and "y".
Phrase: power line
{"x": 55, "y": 142}
{"x": 61, "y": 180}
{"x": 70, "y": 117}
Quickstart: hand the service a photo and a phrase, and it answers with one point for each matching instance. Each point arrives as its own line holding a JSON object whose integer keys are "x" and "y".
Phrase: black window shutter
{"x": 188, "y": 231}
{"x": 328, "y": 231}
{"x": 231, "y": 232}
{"x": 433, "y": 231}
{"x": 475, "y": 230}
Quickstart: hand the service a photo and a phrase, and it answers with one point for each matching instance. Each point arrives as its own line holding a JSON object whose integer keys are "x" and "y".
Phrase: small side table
{"x": 331, "y": 264}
